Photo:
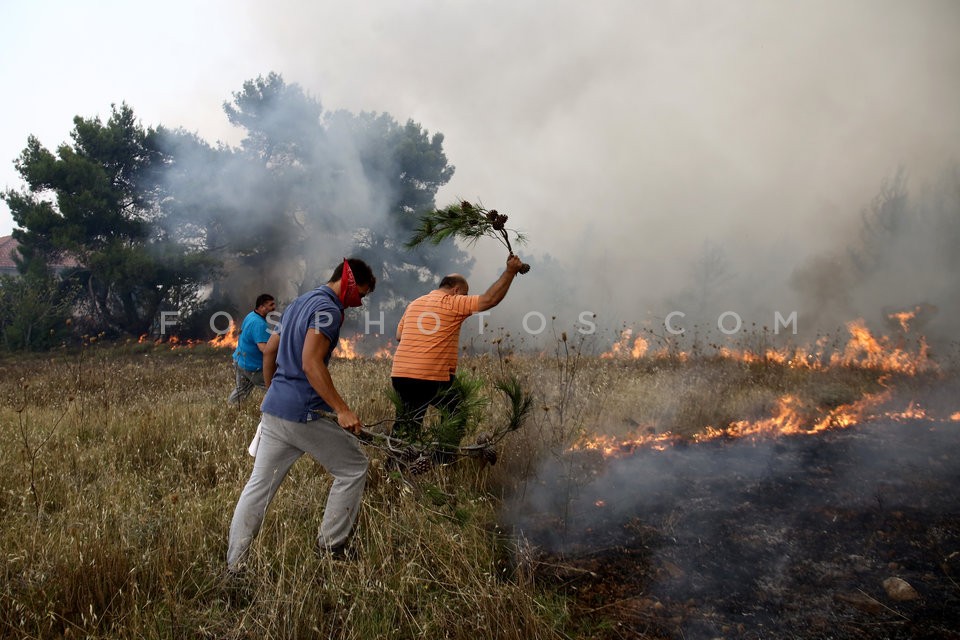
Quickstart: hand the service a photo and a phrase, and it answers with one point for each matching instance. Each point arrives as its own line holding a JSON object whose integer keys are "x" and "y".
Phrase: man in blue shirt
{"x": 248, "y": 356}
{"x": 303, "y": 412}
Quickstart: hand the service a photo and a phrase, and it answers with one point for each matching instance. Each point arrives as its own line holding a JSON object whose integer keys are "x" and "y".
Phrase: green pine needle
{"x": 521, "y": 401}
{"x": 465, "y": 221}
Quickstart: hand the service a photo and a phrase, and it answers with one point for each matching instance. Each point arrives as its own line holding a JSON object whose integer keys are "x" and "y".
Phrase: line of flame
{"x": 788, "y": 419}
{"x": 863, "y": 350}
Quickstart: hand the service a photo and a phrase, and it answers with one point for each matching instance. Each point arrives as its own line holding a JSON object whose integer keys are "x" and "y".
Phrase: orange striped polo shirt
{"x": 430, "y": 335}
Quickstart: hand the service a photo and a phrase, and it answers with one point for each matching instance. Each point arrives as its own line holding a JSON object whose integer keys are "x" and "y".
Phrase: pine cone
{"x": 489, "y": 454}
{"x": 484, "y": 437}
{"x": 420, "y": 465}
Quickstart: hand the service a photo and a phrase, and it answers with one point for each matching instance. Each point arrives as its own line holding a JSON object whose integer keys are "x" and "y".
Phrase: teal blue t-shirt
{"x": 253, "y": 330}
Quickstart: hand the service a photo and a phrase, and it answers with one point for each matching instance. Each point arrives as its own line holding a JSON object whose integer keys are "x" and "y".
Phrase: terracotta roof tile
{"x": 9, "y": 246}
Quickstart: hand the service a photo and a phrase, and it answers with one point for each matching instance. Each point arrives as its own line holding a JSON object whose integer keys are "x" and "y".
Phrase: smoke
{"x": 281, "y": 223}
{"x": 634, "y": 142}
{"x": 625, "y": 139}
{"x": 902, "y": 260}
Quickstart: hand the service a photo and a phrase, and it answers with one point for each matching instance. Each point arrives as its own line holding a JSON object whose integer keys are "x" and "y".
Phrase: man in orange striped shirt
{"x": 425, "y": 362}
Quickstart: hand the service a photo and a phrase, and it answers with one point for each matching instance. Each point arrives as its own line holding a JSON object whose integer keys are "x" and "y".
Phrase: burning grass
{"x": 123, "y": 465}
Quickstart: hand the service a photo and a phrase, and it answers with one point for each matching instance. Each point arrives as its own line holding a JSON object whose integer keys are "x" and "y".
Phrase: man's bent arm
{"x": 270, "y": 358}
{"x": 492, "y": 296}
{"x": 315, "y": 348}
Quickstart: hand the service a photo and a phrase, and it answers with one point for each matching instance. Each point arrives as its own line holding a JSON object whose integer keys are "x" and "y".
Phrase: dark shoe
{"x": 341, "y": 553}
{"x": 237, "y": 586}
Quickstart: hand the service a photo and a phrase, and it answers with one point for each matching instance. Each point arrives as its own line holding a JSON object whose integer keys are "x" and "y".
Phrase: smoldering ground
{"x": 793, "y": 537}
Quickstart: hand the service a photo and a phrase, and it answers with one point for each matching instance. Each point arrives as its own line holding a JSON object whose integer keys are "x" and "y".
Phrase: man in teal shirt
{"x": 248, "y": 357}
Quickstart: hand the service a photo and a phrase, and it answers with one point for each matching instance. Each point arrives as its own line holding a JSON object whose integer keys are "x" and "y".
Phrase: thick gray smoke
{"x": 300, "y": 193}
{"x": 662, "y": 156}
{"x": 691, "y": 156}
{"x": 902, "y": 260}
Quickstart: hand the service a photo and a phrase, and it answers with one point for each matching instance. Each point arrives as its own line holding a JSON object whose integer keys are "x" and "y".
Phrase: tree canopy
{"x": 149, "y": 215}
{"x": 97, "y": 201}
{"x": 340, "y": 183}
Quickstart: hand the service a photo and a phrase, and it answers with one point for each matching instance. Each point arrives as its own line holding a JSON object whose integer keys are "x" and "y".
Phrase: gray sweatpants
{"x": 246, "y": 381}
{"x": 282, "y": 442}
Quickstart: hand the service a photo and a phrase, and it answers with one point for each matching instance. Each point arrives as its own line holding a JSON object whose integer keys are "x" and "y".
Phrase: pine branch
{"x": 468, "y": 222}
{"x": 521, "y": 402}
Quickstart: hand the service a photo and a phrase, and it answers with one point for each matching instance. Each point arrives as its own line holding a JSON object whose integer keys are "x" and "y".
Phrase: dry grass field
{"x": 122, "y": 465}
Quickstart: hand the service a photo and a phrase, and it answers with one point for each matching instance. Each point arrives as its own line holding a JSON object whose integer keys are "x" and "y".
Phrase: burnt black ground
{"x": 785, "y": 538}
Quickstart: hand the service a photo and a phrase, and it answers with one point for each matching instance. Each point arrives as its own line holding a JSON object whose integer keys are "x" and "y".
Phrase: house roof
{"x": 7, "y": 247}
{"x": 8, "y": 250}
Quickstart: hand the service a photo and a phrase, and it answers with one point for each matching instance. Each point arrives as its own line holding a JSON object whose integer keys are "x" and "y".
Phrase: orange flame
{"x": 174, "y": 342}
{"x": 346, "y": 349}
{"x": 912, "y": 412}
{"x": 623, "y": 349}
{"x": 612, "y": 446}
{"x": 795, "y": 358}
{"x": 864, "y": 350}
{"x": 789, "y": 418}
{"x": 903, "y": 318}
{"x": 226, "y": 340}
{"x": 350, "y": 349}
{"x": 384, "y": 352}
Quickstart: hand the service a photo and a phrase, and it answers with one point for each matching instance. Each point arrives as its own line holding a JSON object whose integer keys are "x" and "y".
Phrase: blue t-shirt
{"x": 253, "y": 330}
{"x": 290, "y": 395}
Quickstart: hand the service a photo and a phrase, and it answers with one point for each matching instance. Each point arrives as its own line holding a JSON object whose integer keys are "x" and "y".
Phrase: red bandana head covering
{"x": 349, "y": 293}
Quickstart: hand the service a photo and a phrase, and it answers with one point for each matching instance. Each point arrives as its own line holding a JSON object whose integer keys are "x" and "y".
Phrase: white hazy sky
{"x": 618, "y": 133}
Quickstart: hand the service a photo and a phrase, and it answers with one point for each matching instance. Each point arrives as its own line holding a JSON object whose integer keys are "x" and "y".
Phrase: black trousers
{"x": 416, "y": 396}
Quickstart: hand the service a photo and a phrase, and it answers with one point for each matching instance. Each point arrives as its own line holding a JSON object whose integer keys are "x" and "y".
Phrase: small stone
{"x": 900, "y": 590}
